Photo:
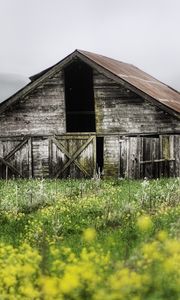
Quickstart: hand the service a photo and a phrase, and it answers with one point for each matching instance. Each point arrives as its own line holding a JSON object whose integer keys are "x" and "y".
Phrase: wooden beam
{"x": 155, "y": 161}
{"x": 18, "y": 147}
{"x": 13, "y": 169}
{"x": 87, "y": 134}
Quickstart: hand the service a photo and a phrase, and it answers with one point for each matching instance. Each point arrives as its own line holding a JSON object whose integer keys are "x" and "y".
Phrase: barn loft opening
{"x": 79, "y": 97}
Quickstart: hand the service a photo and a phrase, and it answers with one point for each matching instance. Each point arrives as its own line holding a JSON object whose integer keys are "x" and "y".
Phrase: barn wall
{"x": 120, "y": 110}
{"x": 41, "y": 112}
{"x": 119, "y": 113}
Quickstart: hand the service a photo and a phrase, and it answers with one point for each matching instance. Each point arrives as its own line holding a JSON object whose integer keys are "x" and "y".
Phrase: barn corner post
{"x": 90, "y": 114}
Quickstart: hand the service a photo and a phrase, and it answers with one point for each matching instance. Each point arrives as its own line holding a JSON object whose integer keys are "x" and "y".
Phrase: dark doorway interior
{"x": 79, "y": 97}
{"x": 99, "y": 154}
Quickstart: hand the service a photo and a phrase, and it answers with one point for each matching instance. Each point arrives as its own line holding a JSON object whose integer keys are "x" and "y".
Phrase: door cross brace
{"x": 72, "y": 157}
{"x": 4, "y": 160}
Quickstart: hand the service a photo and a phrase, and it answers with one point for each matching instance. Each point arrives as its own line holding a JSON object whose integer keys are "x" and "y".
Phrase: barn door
{"x": 15, "y": 158}
{"x": 72, "y": 156}
{"x": 129, "y": 157}
{"x": 148, "y": 156}
{"x": 157, "y": 156}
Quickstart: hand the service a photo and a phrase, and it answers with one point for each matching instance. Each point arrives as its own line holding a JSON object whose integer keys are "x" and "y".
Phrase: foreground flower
{"x": 89, "y": 234}
{"x": 144, "y": 223}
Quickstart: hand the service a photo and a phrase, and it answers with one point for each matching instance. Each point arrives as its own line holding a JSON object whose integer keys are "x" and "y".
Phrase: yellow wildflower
{"x": 172, "y": 246}
{"x": 162, "y": 235}
{"x": 89, "y": 234}
{"x": 49, "y": 286}
{"x": 70, "y": 281}
{"x": 9, "y": 280}
{"x": 144, "y": 223}
{"x": 29, "y": 291}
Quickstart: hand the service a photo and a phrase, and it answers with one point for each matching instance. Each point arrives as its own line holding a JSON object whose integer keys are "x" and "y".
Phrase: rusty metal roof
{"x": 139, "y": 79}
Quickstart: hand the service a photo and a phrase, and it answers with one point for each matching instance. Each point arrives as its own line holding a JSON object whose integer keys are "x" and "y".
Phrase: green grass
{"x": 63, "y": 209}
{"x": 54, "y": 214}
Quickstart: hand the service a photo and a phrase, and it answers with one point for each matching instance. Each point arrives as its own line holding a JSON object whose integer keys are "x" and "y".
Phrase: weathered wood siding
{"x": 111, "y": 156}
{"x": 41, "y": 112}
{"x": 142, "y": 156}
{"x": 119, "y": 110}
{"x": 40, "y": 159}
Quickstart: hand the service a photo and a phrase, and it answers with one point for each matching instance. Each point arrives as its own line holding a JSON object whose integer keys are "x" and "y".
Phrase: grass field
{"x": 90, "y": 239}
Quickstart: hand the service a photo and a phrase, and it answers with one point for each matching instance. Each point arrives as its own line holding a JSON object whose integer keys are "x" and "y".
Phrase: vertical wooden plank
{"x": 172, "y": 155}
{"x": 141, "y": 157}
{"x": 111, "y": 156}
{"x": 161, "y": 165}
{"x": 177, "y": 154}
{"x": 138, "y": 158}
{"x": 6, "y": 173}
{"x": 30, "y": 157}
{"x": 132, "y": 157}
{"x": 120, "y": 158}
{"x": 50, "y": 156}
{"x": 154, "y": 156}
{"x": 1, "y": 154}
{"x": 147, "y": 145}
{"x": 166, "y": 154}
{"x": 157, "y": 157}
{"x": 94, "y": 156}
{"x": 128, "y": 158}
{"x": 151, "y": 157}
{"x": 123, "y": 157}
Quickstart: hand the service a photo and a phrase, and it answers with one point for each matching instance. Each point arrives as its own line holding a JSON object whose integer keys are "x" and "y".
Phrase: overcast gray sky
{"x": 36, "y": 34}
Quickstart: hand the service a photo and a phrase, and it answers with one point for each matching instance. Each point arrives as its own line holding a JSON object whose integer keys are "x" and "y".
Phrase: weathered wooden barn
{"x": 91, "y": 113}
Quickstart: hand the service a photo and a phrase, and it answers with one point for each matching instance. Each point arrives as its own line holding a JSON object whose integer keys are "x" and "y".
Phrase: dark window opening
{"x": 99, "y": 154}
{"x": 79, "y": 97}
